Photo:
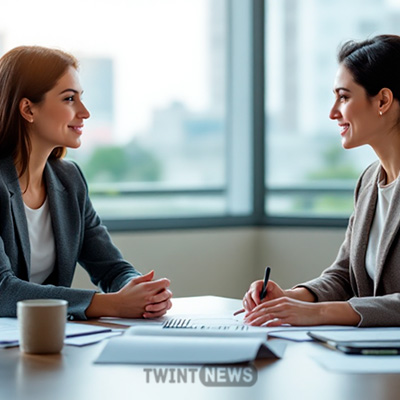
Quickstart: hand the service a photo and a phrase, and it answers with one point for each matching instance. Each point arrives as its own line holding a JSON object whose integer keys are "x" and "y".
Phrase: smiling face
{"x": 57, "y": 121}
{"x": 357, "y": 113}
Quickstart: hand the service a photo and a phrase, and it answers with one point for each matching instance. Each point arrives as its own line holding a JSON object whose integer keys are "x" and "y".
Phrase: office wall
{"x": 297, "y": 254}
{"x": 224, "y": 261}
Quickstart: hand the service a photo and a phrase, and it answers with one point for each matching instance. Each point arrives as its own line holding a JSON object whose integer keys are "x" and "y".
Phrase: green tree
{"x": 107, "y": 163}
{"x": 119, "y": 164}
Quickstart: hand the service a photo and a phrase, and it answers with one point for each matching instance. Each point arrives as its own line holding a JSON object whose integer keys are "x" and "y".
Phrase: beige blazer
{"x": 377, "y": 302}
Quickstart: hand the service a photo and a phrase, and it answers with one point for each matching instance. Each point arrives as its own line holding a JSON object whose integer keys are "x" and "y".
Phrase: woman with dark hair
{"x": 362, "y": 286}
{"x": 47, "y": 222}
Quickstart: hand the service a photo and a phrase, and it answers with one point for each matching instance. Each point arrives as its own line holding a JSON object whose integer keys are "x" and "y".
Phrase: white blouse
{"x": 41, "y": 239}
{"x": 385, "y": 193}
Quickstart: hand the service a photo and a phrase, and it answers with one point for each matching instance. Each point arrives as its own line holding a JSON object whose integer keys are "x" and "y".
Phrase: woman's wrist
{"x": 102, "y": 305}
{"x": 300, "y": 293}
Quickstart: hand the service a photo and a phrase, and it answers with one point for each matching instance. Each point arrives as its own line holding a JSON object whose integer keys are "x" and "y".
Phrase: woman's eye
{"x": 70, "y": 98}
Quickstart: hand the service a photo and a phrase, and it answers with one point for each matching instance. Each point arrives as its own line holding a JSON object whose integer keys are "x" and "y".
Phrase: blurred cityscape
{"x": 182, "y": 140}
{"x": 180, "y": 146}
{"x": 303, "y": 146}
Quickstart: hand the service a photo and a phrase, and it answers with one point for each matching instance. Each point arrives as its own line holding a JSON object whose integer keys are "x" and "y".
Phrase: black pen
{"x": 263, "y": 291}
{"x": 266, "y": 279}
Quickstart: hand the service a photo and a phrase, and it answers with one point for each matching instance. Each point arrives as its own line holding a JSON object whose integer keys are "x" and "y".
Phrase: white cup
{"x": 42, "y": 325}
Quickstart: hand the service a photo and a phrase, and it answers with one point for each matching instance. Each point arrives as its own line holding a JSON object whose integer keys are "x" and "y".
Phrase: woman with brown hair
{"x": 47, "y": 222}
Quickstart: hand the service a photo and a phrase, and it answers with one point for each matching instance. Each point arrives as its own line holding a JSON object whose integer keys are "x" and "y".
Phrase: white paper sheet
{"x": 299, "y": 334}
{"x": 186, "y": 350}
{"x": 133, "y": 321}
{"x": 86, "y": 340}
{"x": 210, "y": 331}
{"x": 228, "y": 322}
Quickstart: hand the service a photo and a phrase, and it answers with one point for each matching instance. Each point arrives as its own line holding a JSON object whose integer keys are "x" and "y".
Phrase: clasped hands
{"x": 142, "y": 297}
{"x": 145, "y": 297}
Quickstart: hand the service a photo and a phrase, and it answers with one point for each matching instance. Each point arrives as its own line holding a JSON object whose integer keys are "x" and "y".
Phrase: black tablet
{"x": 364, "y": 347}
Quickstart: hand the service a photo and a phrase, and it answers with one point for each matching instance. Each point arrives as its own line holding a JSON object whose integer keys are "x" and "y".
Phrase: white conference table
{"x": 72, "y": 375}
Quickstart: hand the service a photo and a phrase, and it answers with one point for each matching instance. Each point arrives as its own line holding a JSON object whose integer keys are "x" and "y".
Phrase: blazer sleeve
{"x": 14, "y": 289}
{"x": 377, "y": 310}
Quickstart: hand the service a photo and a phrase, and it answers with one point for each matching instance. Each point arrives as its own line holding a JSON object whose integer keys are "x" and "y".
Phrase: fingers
{"x": 158, "y": 300}
{"x": 144, "y": 278}
{"x": 275, "y": 312}
{"x": 248, "y": 302}
{"x": 147, "y": 286}
{"x": 284, "y": 310}
{"x": 266, "y": 319}
{"x": 158, "y": 309}
{"x": 252, "y": 297}
{"x": 274, "y": 322}
{"x": 158, "y": 285}
{"x": 144, "y": 297}
{"x": 263, "y": 313}
{"x": 154, "y": 315}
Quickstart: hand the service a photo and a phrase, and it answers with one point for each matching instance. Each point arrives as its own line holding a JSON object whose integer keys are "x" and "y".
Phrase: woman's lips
{"x": 77, "y": 128}
{"x": 344, "y": 128}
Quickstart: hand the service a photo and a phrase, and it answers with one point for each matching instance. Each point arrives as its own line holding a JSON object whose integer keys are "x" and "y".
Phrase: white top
{"x": 41, "y": 239}
{"x": 385, "y": 193}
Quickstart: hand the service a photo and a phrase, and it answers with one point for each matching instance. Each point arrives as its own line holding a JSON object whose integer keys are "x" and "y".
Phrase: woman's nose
{"x": 84, "y": 112}
{"x": 334, "y": 113}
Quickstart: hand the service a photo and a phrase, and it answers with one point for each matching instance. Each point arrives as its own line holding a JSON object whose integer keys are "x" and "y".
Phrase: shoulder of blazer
{"x": 8, "y": 173}
{"x": 8, "y": 177}
{"x": 64, "y": 174}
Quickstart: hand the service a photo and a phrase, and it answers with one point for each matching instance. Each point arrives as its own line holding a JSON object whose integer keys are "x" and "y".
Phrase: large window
{"x": 308, "y": 174}
{"x": 208, "y": 112}
{"x": 155, "y": 75}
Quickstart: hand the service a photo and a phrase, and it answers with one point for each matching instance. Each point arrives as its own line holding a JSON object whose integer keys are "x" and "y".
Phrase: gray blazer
{"x": 377, "y": 302}
{"x": 79, "y": 237}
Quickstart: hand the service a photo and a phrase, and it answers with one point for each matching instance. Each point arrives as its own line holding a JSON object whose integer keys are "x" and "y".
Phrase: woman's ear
{"x": 385, "y": 97}
{"x": 25, "y": 108}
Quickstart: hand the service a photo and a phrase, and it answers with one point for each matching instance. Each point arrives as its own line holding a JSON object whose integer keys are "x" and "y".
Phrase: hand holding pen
{"x": 263, "y": 291}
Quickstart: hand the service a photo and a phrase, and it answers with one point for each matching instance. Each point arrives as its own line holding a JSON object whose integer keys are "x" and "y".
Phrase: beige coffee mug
{"x": 42, "y": 325}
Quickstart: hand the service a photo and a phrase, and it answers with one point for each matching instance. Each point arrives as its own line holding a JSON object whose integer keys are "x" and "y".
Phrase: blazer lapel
{"x": 18, "y": 212}
{"x": 60, "y": 209}
{"x": 391, "y": 228}
{"x": 361, "y": 229}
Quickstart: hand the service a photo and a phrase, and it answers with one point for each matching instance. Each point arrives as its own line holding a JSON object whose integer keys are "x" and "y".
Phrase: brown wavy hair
{"x": 27, "y": 72}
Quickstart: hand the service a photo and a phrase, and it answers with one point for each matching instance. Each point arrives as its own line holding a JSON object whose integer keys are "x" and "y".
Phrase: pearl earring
{"x": 380, "y": 113}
